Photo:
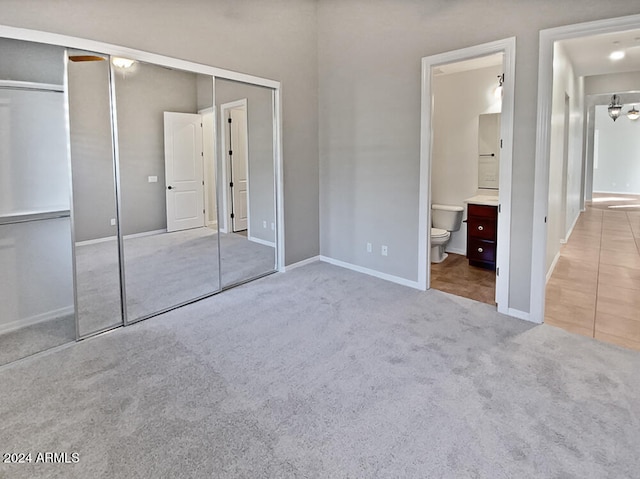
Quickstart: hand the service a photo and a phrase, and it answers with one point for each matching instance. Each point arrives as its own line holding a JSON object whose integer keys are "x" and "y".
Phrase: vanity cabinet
{"x": 482, "y": 235}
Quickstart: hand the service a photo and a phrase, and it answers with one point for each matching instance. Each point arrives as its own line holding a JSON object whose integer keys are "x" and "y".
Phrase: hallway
{"x": 595, "y": 287}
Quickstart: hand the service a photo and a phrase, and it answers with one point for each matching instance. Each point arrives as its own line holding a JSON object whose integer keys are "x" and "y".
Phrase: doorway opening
{"x": 586, "y": 260}
{"x": 465, "y": 172}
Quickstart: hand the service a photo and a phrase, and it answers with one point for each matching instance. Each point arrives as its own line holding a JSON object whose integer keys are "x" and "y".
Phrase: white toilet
{"x": 444, "y": 219}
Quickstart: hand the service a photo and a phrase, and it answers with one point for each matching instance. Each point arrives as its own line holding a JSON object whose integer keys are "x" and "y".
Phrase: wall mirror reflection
{"x": 168, "y": 220}
{"x": 247, "y": 180}
{"x": 36, "y": 284}
{"x": 97, "y": 259}
{"x": 489, "y": 151}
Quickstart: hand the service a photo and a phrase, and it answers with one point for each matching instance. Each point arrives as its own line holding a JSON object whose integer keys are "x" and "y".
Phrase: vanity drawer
{"x": 484, "y": 228}
{"x": 481, "y": 250}
{"x": 482, "y": 210}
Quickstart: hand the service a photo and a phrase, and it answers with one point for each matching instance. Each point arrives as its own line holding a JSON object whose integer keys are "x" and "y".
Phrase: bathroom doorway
{"x": 469, "y": 254}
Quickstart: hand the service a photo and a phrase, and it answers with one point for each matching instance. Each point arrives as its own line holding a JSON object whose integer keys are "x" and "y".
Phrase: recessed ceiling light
{"x": 617, "y": 55}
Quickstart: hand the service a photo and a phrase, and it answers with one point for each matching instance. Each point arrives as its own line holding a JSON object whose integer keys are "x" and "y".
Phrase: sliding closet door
{"x": 36, "y": 285}
{"x": 94, "y": 193}
{"x": 168, "y": 208}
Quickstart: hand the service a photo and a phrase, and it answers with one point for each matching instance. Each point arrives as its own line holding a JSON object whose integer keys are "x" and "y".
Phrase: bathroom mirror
{"x": 36, "y": 284}
{"x": 247, "y": 180}
{"x": 489, "y": 151}
{"x": 168, "y": 217}
{"x": 97, "y": 259}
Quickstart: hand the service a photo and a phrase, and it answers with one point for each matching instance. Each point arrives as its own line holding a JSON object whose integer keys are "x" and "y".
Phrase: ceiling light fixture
{"x": 633, "y": 114}
{"x": 617, "y": 55}
{"x": 615, "y": 107}
{"x": 122, "y": 62}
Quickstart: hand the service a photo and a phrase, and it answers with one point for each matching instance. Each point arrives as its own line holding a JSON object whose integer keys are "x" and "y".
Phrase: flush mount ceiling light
{"x": 617, "y": 55}
{"x": 633, "y": 114}
{"x": 615, "y": 107}
{"x": 122, "y": 62}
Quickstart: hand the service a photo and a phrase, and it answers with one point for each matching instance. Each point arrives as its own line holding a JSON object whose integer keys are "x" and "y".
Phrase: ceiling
{"x": 590, "y": 55}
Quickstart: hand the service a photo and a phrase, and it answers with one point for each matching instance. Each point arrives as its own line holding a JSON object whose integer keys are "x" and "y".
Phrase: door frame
{"x": 227, "y": 223}
{"x": 506, "y": 46}
{"x": 548, "y": 38}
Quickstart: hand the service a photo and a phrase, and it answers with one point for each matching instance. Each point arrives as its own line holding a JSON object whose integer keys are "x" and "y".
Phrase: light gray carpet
{"x": 325, "y": 373}
{"x": 161, "y": 271}
{"x": 24, "y": 342}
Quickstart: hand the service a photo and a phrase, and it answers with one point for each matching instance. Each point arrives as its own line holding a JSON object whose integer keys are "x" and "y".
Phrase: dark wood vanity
{"x": 482, "y": 235}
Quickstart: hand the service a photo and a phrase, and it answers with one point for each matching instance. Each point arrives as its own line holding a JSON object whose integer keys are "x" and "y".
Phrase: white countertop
{"x": 483, "y": 200}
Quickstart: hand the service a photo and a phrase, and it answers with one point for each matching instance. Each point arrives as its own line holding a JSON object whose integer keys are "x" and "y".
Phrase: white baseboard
{"x": 304, "y": 262}
{"x": 261, "y": 241}
{"x": 38, "y": 318}
{"x": 457, "y": 251}
{"x": 145, "y": 233}
{"x": 213, "y": 224}
{"x": 552, "y": 267}
{"x": 516, "y": 313}
{"x": 573, "y": 225}
{"x": 371, "y": 272}
{"x": 96, "y": 241}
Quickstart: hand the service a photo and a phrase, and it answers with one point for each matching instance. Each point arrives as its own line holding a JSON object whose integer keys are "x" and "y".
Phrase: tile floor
{"x": 455, "y": 276}
{"x": 595, "y": 287}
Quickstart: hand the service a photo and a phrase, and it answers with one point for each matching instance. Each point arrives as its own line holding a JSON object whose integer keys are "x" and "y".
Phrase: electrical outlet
{"x": 264, "y": 224}
{"x": 384, "y": 250}
{"x": 113, "y": 221}
{"x": 368, "y": 247}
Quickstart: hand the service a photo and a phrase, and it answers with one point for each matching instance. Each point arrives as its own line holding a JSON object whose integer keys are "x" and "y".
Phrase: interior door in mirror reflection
{"x": 489, "y": 151}
{"x": 184, "y": 170}
{"x": 238, "y": 160}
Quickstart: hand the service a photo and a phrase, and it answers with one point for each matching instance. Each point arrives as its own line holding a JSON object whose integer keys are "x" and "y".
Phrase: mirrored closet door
{"x": 247, "y": 188}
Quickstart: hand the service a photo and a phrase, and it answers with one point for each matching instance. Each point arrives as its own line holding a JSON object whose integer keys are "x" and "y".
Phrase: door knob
{"x": 169, "y": 187}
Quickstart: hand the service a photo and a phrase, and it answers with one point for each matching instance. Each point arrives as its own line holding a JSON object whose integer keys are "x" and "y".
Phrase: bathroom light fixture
{"x": 498, "y": 91}
{"x": 617, "y": 55}
{"x": 122, "y": 62}
{"x": 615, "y": 107}
{"x": 633, "y": 114}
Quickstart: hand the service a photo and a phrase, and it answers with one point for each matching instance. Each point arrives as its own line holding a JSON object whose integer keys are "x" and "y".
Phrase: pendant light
{"x": 633, "y": 114}
{"x": 615, "y": 107}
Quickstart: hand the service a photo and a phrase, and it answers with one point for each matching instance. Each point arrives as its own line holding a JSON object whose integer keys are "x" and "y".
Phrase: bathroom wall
{"x": 617, "y": 162}
{"x": 564, "y": 180}
{"x": 459, "y": 99}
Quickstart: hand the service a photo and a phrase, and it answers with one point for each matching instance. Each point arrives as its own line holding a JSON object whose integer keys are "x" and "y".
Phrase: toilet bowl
{"x": 444, "y": 219}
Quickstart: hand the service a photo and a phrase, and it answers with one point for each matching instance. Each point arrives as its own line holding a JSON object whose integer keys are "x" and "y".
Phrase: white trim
{"x": 146, "y": 233}
{"x": 28, "y": 85}
{"x": 508, "y": 47}
{"x": 304, "y": 262}
{"x": 516, "y": 313}
{"x": 139, "y": 55}
{"x": 552, "y": 267}
{"x": 278, "y": 177}
{"x": 208, "y": 162}
{"x": 227, "y": 225}
{"x": 261, "y": 241}
{"x": 38, "y": 318}
{"x": 97, "y": 240}
{"x": 212, "y": 224}
{"x": 573, "y": 225}
{"x": 371, "y": 272}
{"x": 461, "y": 252}
{"x": 543, "y": 143}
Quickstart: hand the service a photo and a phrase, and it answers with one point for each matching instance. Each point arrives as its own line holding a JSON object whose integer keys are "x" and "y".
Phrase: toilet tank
{"x": 446, "y": 217}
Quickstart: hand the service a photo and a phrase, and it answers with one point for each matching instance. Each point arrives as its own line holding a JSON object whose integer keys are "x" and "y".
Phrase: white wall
{"x": 617, "y": 168}
{"x": 459, "y": 99}
{"x": 564, "y": 180}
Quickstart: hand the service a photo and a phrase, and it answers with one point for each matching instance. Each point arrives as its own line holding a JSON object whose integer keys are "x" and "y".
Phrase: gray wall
{"x": 369, "y": 66}
{"x": 261, "y": 167}
{"x": 142, "y": 96}
{"x": 31, "y": 62}
{"x": 275, "y": 39}
{"x": 94, "y": 202}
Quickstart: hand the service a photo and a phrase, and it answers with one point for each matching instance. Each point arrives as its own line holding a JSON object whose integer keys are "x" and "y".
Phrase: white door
{"x": 183, "y": 170}
{"x": 239, "y": 171}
